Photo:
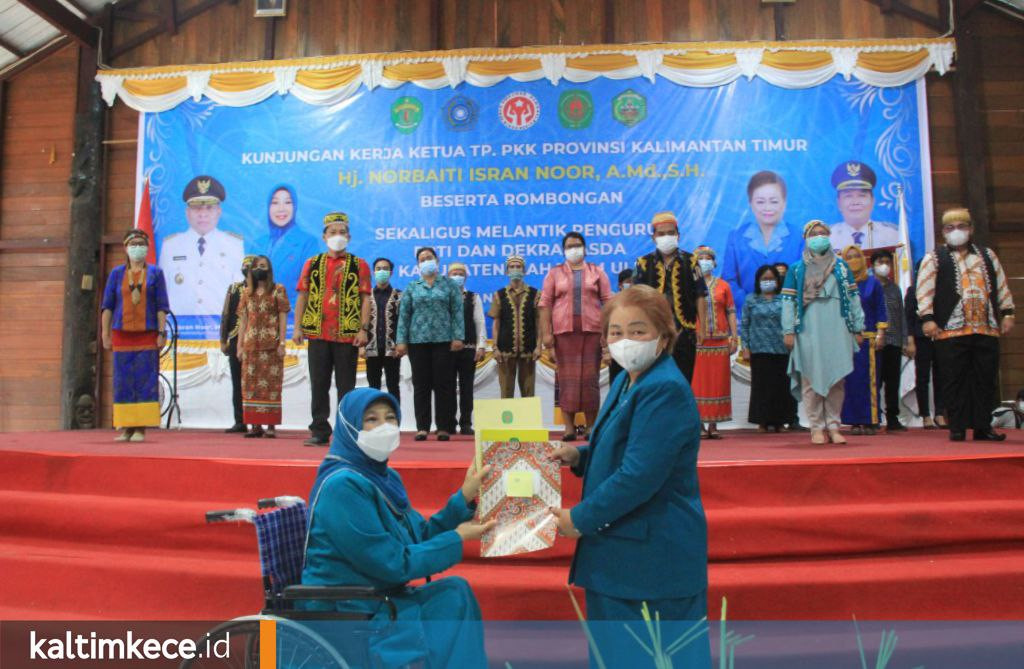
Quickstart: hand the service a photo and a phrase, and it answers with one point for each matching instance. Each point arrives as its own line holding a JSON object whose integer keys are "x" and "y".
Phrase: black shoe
{"x": 988, "y": 435}
{"x": 315, "y": 441}
{"x": 796, "y": 427}
{"x": 468, "y": 431}
{"x": 896, "y": 427}
{"x": 237, "y": 427}
{"x": 957, "y": 435}
{"x": 420, "y": 436}
{"x": 443, "y": 436}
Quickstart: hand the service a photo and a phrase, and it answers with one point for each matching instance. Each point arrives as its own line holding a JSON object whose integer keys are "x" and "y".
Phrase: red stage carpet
{"x": 902, "y": 527}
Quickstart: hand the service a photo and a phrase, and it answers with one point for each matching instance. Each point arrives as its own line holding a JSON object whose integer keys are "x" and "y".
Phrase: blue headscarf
{"x": 278, "y": 231}
{"x": 344, "y": 453}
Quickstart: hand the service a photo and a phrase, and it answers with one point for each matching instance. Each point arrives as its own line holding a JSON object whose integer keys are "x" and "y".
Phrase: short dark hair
{"x": 881, "y": 253}
{"x": 761, "y": 270}
{"x": 625, "y": 275}
{"x": 425, "y": 248}
{"x": 391, "y": 265}
{"x": 573, "y": 235}
{"x": 762, "y": 178}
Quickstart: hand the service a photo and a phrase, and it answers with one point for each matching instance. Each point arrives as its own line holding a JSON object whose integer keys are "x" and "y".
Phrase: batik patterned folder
{"x": 518, "y": 491}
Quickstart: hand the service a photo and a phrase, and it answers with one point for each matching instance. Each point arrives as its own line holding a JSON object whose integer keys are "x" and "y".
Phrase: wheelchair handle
{"x": 230, "y": 515}
{"x": 282, "y": 502}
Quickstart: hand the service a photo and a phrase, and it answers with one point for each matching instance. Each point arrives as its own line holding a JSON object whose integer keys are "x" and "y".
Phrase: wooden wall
{"x": 35, "y": 206}
{"x": 35, "y": 192}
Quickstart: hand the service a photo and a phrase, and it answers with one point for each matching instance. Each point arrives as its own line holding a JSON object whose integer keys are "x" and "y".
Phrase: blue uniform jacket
{"x": 355, "y": 538}
{"x": 643, "y": 526}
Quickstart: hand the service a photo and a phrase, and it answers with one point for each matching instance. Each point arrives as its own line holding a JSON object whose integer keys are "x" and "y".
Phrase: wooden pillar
{"x": 971, "y": 125}
{"x": 82, "y": 278}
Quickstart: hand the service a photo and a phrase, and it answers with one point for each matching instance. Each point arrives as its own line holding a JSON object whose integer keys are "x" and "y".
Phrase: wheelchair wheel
{"x": 236, "y": 643}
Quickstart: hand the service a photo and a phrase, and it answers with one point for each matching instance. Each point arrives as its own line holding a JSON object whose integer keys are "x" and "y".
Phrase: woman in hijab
{"x": 860, "y": 403}
{"x": 363, "y": 532}
{"x": 822, "y": 324}
{"x": 288, "y": 245}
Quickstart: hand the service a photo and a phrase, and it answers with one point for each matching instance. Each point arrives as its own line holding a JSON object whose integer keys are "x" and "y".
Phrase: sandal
{"x": 420, "y": 436}
{"x": 126, "y": 435}
{"x": 869, "y": 430}
{"x": 271, "y": 433}
{"x": 255, "y": 433}
{"x": 928, "y": 423}
{"x": 836, "y": 437}
{"x": 818, "y": 437}
{"x": 443, "y": 436}
{"x": 857, "y": 430}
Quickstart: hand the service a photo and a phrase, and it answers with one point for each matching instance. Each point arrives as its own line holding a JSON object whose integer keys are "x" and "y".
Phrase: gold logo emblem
{"x": 204, "y": 186}
{"x": 853, "y": 169}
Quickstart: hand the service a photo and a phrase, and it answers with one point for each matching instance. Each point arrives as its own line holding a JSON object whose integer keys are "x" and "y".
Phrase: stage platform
{"x": 908, "y": 526}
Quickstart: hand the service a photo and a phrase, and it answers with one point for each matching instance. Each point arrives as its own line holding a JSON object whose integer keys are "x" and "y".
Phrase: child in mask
{"x": 712, "y": 381}
{"x": 364, "y": 532}
{"x": 899, "y": 340}
{"x": 262, "y": 322}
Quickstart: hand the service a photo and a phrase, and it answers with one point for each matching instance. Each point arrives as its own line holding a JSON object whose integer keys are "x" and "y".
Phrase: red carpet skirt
{"x": 262, "y": 377}
{"x": 578, "y": 360}
{"x": 712, "y": 383}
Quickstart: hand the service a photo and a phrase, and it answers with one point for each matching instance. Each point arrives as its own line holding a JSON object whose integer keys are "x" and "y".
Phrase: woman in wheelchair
{"x": 363, "y": 532}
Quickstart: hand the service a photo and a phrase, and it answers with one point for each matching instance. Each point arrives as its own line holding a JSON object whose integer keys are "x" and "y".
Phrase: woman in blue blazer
{"x": 642, "y": 536}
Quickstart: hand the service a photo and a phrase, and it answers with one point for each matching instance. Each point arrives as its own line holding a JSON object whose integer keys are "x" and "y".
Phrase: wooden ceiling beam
{"x": 168, "y": 23}
{"x": 64, "y": 20}
{"x": 912, "y": 13}
{"x": 39, "y": 54}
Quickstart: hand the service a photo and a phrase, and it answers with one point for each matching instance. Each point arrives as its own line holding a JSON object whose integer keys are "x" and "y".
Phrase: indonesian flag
{"x": 145, "y": 223}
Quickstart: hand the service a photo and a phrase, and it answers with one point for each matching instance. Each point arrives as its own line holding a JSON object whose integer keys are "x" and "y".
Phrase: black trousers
{"x": 389, "y": 366}
{"x": 970, "y": 366}
{"x": 326, "y": 359}
{"x": 892, "y": 362}
{"x": 926, "y": 368}
{"x": 236, "y": 381}
{"x": 685, "y": 353}
{"x": 433, "y": 376}
{"x": 465, "y": 376}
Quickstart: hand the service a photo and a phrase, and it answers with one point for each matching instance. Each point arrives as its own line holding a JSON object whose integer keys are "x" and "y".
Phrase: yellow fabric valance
{"x": 327, "y": 80}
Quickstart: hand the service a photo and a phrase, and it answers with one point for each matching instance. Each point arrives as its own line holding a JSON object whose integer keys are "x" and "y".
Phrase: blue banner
{"x": 481, "y": 173}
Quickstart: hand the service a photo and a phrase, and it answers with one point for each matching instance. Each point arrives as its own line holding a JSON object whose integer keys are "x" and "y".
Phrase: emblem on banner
{"x": 406, "y": 114}
{"x": 575, "y": 109}
{"x": 461, "y": 113}
{"x": 519, "y": 110}
{"x": 629, "y": 108}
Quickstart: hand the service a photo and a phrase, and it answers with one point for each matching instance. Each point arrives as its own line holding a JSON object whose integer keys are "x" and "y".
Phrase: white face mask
{"x": 956, "y": 237}
{"x": 337, "y": 242}
{"x": 706, "y": 266}
{"x": 575, "y": 254}
{"x": 633, "y": 355}
{"x": 882, "y": 271}
{"x": 380, "y": 442}
{"x": 667, "y": 243}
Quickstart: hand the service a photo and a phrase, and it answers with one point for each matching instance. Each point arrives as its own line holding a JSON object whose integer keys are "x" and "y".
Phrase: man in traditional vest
{"x": 674, "y": 272}
{"x": 474, "y": 347}
{"x": 965, "y": 305}
{"x": 516, "y": 320}
{"x": 333, "y": 312}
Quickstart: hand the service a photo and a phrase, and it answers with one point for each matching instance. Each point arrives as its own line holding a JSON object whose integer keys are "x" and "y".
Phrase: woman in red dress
{"x": 712, "y": 381}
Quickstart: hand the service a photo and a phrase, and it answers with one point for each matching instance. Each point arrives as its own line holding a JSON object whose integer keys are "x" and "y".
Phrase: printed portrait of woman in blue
{"x": 766, "y": 239}
{"x": 288, "y": 245}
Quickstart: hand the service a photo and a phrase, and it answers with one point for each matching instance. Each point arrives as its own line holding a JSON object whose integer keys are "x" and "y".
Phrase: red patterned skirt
{"x": 262, "y": 378}
{"x": 712, "y": 381}
{"x": 578, "y": 361}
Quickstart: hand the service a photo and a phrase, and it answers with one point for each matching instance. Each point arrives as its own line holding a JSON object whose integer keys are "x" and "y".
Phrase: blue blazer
{"x": 644, "y": 532}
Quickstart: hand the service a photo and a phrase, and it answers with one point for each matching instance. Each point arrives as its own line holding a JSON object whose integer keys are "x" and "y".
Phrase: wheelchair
{"x": 280, "y": 526}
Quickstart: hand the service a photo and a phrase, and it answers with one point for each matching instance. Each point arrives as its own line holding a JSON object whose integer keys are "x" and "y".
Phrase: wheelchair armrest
{"x": 339, "y": 593}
